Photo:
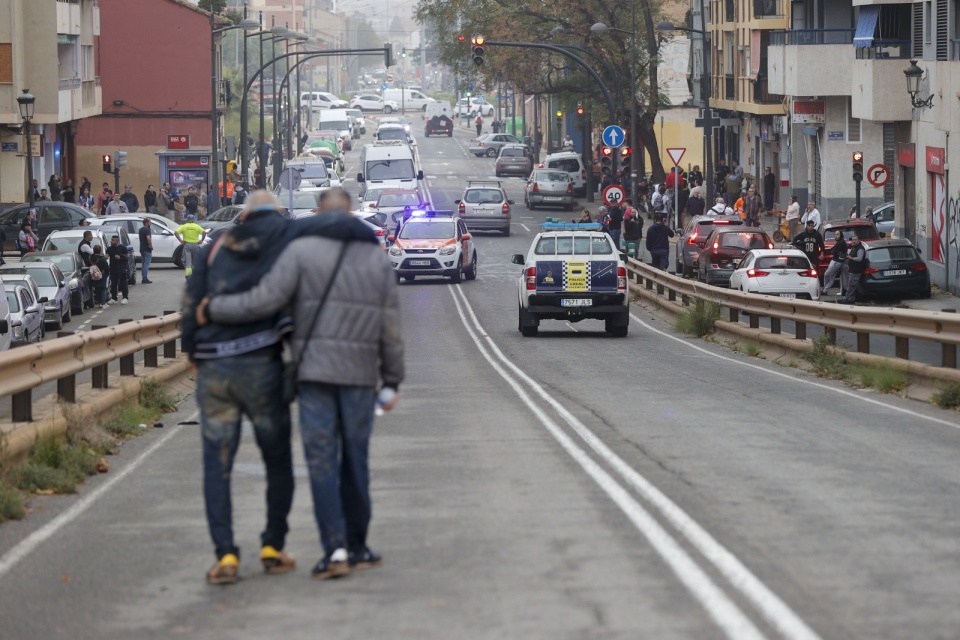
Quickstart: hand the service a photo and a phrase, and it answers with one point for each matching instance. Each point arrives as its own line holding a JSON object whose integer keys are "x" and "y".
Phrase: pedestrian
{"x": 736, "y": 170}
{"x": 869, "y": 215}
{"x": 585, "y": 217}
{"x": 36, "y": 190}
{"x": 130, "y": 199}
{"x": 667, "y": 203}
{"x": 340, "y": 364}
{"x": 659, "y": 206}
{"x": 53, "y": 185}
{"x": 811, "y": 243}
{"x": 44, "y": 197}
{"x": 752, "y": 207}
{"x": 658, "y": 242}
{"x": 838, "y": 263}
{"x": 633, "y": 231}
{"x": 856, "y": 265}
{"x": 616, "y": 225}
{"x": 107, "y": 202}
{"x": 117, "y": 205}
{"x": 769, "y": 189}
{"x": 479, "y": 123}
{"x": 811, "y": 214}
{"x": 85, "y": 248}
{"x": 103, "y": 198}
{"x": 27, "y": 240}
{"x": 224, "y": 195}
{"x": 150, "y": 199}
{"x": 695, "y": 177}
{"x": 568, "y": 144}
{"x": 732, "y": 187}
{"x": 68, "y": 193}
{"x": 793, "y": 215}
{"x": 146, "y": 250}
{"x": 86, "y": 200}
{"x": 673, "y": 178}
{"x": 240, "y": 194}
{"x": 695, "y": 205}
{"x": 603, "y": 219}
{"x": 85, "y": 184}
{"x": 191, "y": 202}
{"x": 720, "y": 208}
{"x": 119, "y": 269}
{"x": 191, "y": 236}
{"x": 99, "y": 268}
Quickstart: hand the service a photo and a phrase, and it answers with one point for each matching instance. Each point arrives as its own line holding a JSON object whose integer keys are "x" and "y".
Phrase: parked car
{"x": 484, "y": 206}
{"x": 471, "y": 106}
{"x": 571, "y": 163}
{"x": 321, "y": 100}
{"x": 6, "y": 330}
{"x": 358, "y": 120}
{"x": 864, "y": 229}
{"x": 885, "y": 216}
{"x": 51, "y": 216}
{"x": 25, "y": 320}
{"x": 51, "y": 284}
{"x": 694, "y": 236}
{"x": 377, "y": 222}
{"x": 489, "y": 144}
{"x": 166, "y": 247}
{"x": 76, "y": 274}
{"x": 370, "y": 102}
{"x": 894, "y": 267}
{"x": 514, "y": 159}
{"x": 724, "y": 249}
{"x": 786, "y": 273}
{"x": 393, "y": 203}
{"x": 546, "y": 187}
{"x": 70, "y": 240}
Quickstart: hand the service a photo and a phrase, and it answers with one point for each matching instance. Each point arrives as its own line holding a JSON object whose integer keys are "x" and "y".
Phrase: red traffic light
{"x": 461, "y": 38}
{"x": 606, "y": 151}
{"x": 625, "y": 152}
{"x": 858, "y": 156}
{"x": 579, "y": 111}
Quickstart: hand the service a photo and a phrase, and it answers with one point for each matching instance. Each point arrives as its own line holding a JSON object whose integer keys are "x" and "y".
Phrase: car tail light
{"x": 809, "y": 273}
{"x": 919, "y": 266}
{"x": 721, "y": 222}
{"x": 569, "y": 187}
{"x": 770, "y": 245}
{"x": 505, "y": 209}
{"x": 531, "y": 278}
{"x": 621, "y": 279}
{"x": 756, "y": 273}
{"x": 583, "y": 174}
{"x": 462, "y": 208}
{"x": 870, "y": 270}
{"x": 380, "y": 232}
{"x": 480, "y": 144}
{"x": 716, "y": 245}
{"x": 536, "y": 188}
{"x": 692, "y": 240}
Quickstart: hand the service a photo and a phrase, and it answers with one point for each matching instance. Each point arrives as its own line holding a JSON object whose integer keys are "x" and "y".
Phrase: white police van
{"x": 573, "y": 272}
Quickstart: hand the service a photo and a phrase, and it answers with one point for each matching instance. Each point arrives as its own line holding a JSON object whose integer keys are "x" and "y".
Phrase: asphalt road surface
{"x": 566, "y": 486}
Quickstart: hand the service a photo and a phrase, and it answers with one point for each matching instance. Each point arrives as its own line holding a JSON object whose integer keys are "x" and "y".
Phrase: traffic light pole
{"x": 587, "y": 156}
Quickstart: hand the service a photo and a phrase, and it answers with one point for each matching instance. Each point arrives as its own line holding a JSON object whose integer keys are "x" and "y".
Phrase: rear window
{"x": 516, "y": 153}
{"x": 483, "y": 196}
{"x": 43, "y": 277}
{"x": 552, "y": 176}
{"x": 782, "y": 262}
{"x": 573, "y": 245}
{"x": 893, "y": 254}
{"x": 391, "y": 134}
{"x": 743, "y": 240}
{"x": 864, "y": 232}
{"x": 566, "y": 164}
{"x": 398, "y": 200}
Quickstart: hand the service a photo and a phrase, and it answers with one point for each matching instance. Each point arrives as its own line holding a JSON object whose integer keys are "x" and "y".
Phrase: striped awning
{"x": 866, "y": 26}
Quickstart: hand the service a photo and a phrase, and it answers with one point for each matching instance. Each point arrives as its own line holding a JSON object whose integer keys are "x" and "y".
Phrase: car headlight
{"x": 396, "y": 252}
{"x": 448, "y": 251}
{"x": 18, "y": 331}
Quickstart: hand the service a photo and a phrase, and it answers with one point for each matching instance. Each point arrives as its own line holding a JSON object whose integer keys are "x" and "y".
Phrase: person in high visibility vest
{"x": 226, "y": 195}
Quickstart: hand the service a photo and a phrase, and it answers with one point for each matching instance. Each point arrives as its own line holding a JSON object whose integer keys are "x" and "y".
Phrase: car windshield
{"x": 513, "y": 152}
{"x": 569, "y": 165}
{"x": 302, "y": 199}
{"x": 742, "y": 240}
{"x": 440, "y": 230}
{"x": 326, "y": 136}
{"x": 391, "y": 134}
{"x": 69, "y": 242}
{"x": 64, "y": 261}
{"x": 336, "y": 125}
{"x": 573, "y": 245}
{"x": 313, "y": 171}
{"x": 372, "y": 195}
{"x": 782, "y": 262}
{"x": 42, "y": 276}
{"x": 862, "y": 231}
{"x": 398, "y": 200}
{"x": 223, "y": 215}
{"x": 399, "y": 169}
{"x": 483, "y": 196}
{"x": 551, "y": 176}
{"x": 885, "y": 255}
{"x": 13, "y": 302}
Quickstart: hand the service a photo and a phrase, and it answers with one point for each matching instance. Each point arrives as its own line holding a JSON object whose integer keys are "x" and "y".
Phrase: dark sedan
{"x": 894, "y": 267}
{"x": 723, "y": 250}
{"x": 51, "y": 216}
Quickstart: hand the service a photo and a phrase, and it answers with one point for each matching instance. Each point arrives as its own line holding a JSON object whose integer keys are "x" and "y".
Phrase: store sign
{"x": 178, "y": 142}
{"x": 809, "y": 112}
{"x": 907, "y": 154}
{"x": 936, "y": 160}
{"x": 188, "y": 162}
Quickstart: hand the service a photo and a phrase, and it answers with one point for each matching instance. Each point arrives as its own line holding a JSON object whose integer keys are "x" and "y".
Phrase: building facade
{"x": 50, "y": 48}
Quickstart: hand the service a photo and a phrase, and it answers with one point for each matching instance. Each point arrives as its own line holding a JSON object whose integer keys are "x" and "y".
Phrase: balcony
{"x": 879, "y": 92}
{"x": 885, "y": 50}
{"x": 797, "y": 59}
{"x": 767, "y": 9}
{"x": 762, "y": 95}
{"x": 730, "y": 88}
{"x": 68, "y": 17}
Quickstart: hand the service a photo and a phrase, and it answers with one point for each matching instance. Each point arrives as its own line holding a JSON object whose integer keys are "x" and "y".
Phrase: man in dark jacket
{"x": 810, "y": 242}
{"x": 838, "y": 263}
{"x": 633, "y": 230}
{"x": 658, "y": 242}
{"x": 130, "y": 199}
{"x": 616, "y": 224}
{"x": 857, "y": 264}
{"x": 345, "y": 352}
{"x": 769, "y": 189}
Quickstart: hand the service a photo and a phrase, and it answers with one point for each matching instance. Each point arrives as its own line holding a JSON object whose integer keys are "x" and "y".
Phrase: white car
{"x": 472, "y": 106}
{"x": 777, "y": 272}
{"x": 431, "y": 245}
{"x": 166, "y": 247}
{"x": 370, "y": 102}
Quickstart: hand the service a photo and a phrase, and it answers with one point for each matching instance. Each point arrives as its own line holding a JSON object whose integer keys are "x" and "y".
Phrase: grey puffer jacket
{"x": 357, "y": 339}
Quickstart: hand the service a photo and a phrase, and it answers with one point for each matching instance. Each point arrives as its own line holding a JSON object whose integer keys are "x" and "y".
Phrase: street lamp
{"x": 914, "y": 75}
{"x": 601, "y": 28}
{"x": 26, "y": 103}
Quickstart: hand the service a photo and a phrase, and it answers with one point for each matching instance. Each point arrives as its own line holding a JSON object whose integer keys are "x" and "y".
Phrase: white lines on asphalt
{"x": 772, "y": 372}
{"x": 30, "y": 544}
{"x": 525, "y": 227}
{"x": 575, "y": 330}
{"x": 728, "y": 616}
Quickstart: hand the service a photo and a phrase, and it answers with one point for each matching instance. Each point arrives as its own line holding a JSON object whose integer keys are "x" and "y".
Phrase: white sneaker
{"x": 340, "y": 555}
{"x": 124, "y": 301}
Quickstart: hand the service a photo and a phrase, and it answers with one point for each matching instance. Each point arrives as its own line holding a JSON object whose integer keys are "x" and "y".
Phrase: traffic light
{"x": 858, "y": 166}
{"x": 624, "y": 162}
{"x": 606, "y": 161}
{"x": 580, "y": 111}
{"x": 403, "y": 52}
{"x": 107, "y": 163}
{"x": 388, "y": 59}
{"x": 477, "y": 45}
{"x": 461, "y": 38}
{"x": 559, "y": 118}
{"x": 121, "y": 158}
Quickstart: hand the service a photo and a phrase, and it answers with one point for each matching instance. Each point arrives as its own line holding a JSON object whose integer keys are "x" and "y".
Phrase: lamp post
{"x": 602, "y": 28}
{"x": 914, "y": 75}
{"x": 26, "y": 102}
{"x": 246, "y": 24}
{"x": 274, "y": 33}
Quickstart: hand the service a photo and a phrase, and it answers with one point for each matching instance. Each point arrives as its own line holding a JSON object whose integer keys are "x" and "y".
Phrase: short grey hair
{"x": 259, "y": 200}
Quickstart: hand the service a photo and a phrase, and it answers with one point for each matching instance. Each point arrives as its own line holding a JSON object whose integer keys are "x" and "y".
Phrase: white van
{"x": 322, "y": 100}
{"x": 389, "y": 163}
{"x": 408, "y": 98}
{"x": 571, "y": 163}
{"x": 336, "y": 120}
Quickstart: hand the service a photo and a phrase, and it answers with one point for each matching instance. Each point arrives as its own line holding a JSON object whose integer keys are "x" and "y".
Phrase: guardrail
{"x": 903, "y": 324}
{"x": 60, "y": 360}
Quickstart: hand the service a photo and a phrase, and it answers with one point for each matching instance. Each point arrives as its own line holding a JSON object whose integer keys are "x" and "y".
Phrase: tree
{"x": 218, "y": 5}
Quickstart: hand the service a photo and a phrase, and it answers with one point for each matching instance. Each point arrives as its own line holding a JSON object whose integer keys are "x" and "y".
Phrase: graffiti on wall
{"x": 947, "y": 243}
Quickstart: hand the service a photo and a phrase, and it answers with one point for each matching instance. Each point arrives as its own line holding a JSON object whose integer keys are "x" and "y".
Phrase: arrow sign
{"x": 613, "y": 136}
{"x": 676, "y": 154}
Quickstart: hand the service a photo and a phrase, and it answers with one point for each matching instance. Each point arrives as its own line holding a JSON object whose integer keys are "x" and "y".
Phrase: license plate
{"x": 576, "y": 302}
{"x": 552, "y": 199}
{"x": 788, "y": 295}
{"x": 482, "y": 211}
{"x": 420, "y": 263}
{"x": 896, "y": 272}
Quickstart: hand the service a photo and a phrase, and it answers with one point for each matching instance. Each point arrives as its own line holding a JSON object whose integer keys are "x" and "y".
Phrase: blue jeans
{"x": 660, "y": 259}
{"x": 146, "y": 257}
{"x": 228, "y": 389}
{"x": 336, "y": 423}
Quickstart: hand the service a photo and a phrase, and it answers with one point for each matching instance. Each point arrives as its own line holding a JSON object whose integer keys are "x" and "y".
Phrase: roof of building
{"x": 220, "y": 20}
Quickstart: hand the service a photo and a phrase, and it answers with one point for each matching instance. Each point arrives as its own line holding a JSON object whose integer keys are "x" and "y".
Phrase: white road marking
{"x": 525, "y": 226}
{"x": 30, "y": 544}
{"x": 575, "y": 330}
{"x": 718, "y": 605}
{"x": 768, "y": 603}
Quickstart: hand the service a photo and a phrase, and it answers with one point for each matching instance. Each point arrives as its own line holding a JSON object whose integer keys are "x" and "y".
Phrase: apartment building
{"x": 49, "y": 48}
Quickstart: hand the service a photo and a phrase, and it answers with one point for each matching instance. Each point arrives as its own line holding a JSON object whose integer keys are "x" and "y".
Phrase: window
{"x": 86, "y": 58}
{"x": 943, "y": 30}
{"x": 53, "y": 215}
{"x": 928, "y": 21}
{"x": 546, "y": 246}
{"x": 854, "y": 125}
{"x": 6, "y": 63}
{"x": 783, "y": 262}
{"x": 12, "y": 302}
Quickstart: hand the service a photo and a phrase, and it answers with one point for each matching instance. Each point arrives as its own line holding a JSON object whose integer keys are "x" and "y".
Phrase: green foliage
{"x": 752, "y": 348}
{"x": 827, "y": 360}
{"x": 11, "y": 503}
{"x": 698, "y": 320}
{"x": 154, "y": 396}
{"x": 218, "y": 5}
{"x": 948, "y": 397}
{"x": 883, "y": 378}
{"x": 53, "y": 466}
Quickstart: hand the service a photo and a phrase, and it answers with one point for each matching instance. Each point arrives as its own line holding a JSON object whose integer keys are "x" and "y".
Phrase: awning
{"x": 866, "y": 26}
{"x": 754, "y": 54}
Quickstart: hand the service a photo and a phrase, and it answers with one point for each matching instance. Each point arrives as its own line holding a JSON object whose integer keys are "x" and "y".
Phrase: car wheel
{"x": 77, "y": 309}
{"x": 457, "y": 277}
{"x": 491, "y": 153}
{"x": 387, "y": 109}
{"x": 506, "y": 231}
{"x": 778, "y": 236}
{"x": 531, "y": 206}
{"x": 496, "y": 173}
{"x": 178, "y": 257}
{"x": 528, "y": 326}
{"x": 424, "y": 108}
{"x": 472, "y": 270}
{"x": 67, "y": 317}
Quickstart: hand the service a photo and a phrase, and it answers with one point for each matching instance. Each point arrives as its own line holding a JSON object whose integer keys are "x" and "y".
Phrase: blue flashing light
{"x": 571, "y": 226}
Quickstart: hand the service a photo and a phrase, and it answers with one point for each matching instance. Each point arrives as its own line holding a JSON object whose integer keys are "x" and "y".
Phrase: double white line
{"x": 620, "y": 483}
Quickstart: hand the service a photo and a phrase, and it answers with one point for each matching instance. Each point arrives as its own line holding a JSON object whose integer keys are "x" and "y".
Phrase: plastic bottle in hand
{"x": 385, "y": 397}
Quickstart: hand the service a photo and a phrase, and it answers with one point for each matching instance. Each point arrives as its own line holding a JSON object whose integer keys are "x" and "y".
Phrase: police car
{"x": 433, "y": 243}
{"x": 573, "y": 272}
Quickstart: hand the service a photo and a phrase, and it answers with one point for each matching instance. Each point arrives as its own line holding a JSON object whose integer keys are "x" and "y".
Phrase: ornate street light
{"x": 26, "y": 102}
{"x": 914, "y": 75}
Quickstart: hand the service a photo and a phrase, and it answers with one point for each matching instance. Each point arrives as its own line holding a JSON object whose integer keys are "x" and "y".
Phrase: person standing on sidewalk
{"x": 752, "y": 207}
{"x": 119, "y": 270}
{"x": 769, "y": 189}
{"x": 812, "y": 214}
{"x": 116, "y": 206}
{"x": 146, "y": 249}
{"x": 479, "y": 123}
{"x": 354, "y": 344}
{"x": 99, "y": 283}
{"x": 658, "y": 242}
{"x": 130, "y": 199}
{"x": 838, "y": 263}
{"x": 191, "y": 236}
{"x": 27, "y": 240}
{"x": 857, "y": 264}
{"x": 811, "y": 243}
{"x": 793, "y": 216}
{"x": 150, "y": 199}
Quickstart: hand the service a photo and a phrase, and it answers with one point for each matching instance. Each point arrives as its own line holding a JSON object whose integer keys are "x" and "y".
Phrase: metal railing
{"x": 60, "y": 360}
{"x": 67, "y": 84}
{"x": 885, "y": 50}
{"x": 902, "y": 324}
{"x": 802, "y": 37}
{"x": 762, "y": 95}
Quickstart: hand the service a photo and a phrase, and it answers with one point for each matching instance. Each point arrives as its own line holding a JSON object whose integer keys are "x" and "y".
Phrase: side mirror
{"x": 456, "y": 202}
{"x": 360, "y": 178}
{"x": 624, "y": 257}
{"x": 466, "y": 236}
{"x": 43, "y": 300}
{"x": 63, "y": 283}
{"x": 419, "y": 175}
{"x": 511, "y": 202}
{"x": 34, "y": 308}
{"x": 518, "y": 259}
{"x": 919, "y": 250}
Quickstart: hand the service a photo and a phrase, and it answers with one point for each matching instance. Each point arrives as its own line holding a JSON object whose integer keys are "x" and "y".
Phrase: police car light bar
{"x": 420, "y": 213}
{"x": 571, "y": 226}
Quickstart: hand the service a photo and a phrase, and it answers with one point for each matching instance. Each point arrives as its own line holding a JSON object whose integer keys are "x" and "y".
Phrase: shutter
{"x": 918, "y": 30}
{"x": 854, "y": 133}
{"x": 889, "y": 156}
{"x": 943, "y": 30}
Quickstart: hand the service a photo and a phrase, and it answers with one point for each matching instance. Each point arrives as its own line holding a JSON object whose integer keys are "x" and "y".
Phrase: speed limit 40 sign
{"x": 614, "y": 195}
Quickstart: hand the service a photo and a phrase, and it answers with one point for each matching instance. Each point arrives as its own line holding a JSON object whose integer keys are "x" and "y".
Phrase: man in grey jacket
{"x": 355, "y": 345}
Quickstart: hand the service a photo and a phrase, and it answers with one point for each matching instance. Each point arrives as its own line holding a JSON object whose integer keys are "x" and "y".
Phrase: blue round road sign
{"x": 613, "y": 136}
{"x": 383, "y": 85}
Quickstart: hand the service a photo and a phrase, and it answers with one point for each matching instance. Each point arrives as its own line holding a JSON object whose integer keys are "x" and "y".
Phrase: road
{"x": 566, "y": 486}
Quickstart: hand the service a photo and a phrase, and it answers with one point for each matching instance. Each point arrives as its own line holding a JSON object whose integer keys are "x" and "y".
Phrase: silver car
{"x": 489, "y": 144}
{"x": 548, "y": 187}
{"x": 484, "y": 207}
{"x": 52, "y": 285}
{"x": 26, "y": 315}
